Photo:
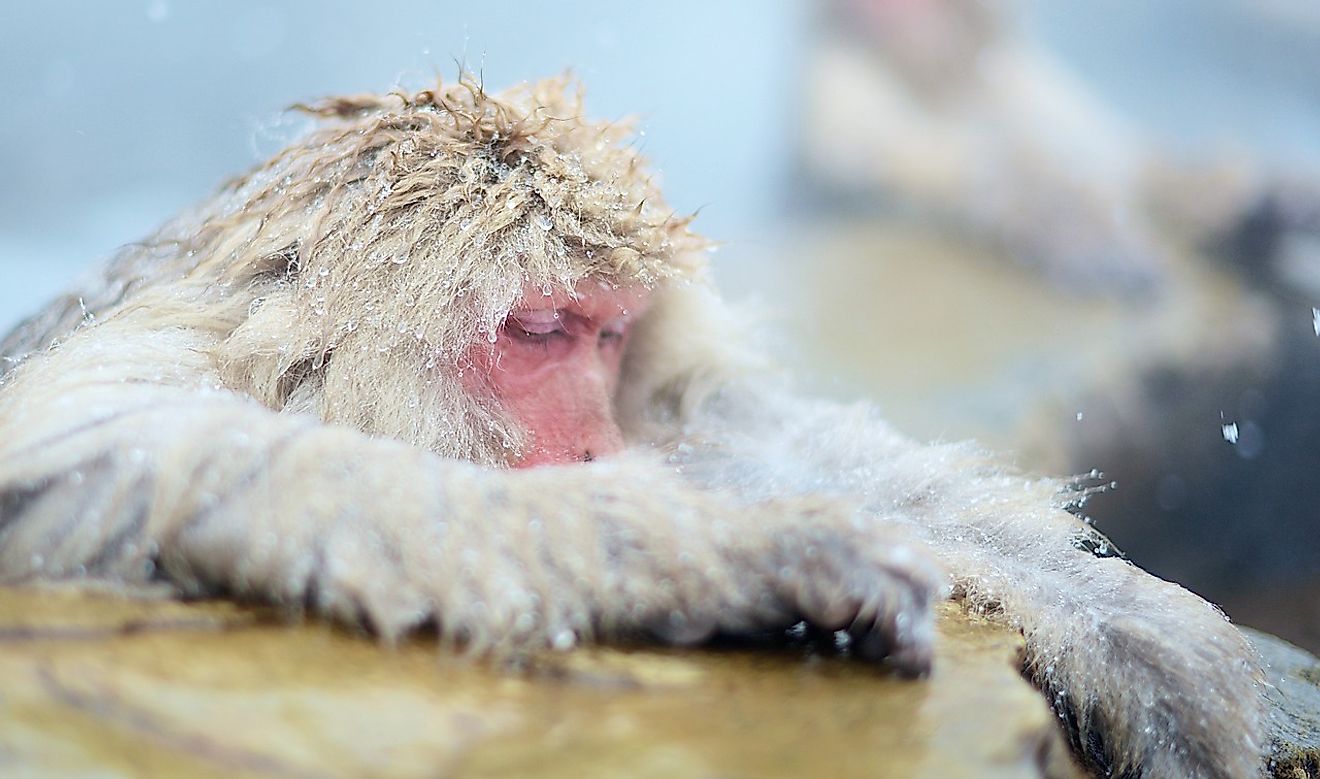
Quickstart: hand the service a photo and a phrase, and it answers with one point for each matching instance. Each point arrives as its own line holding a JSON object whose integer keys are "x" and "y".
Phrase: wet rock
{"x": 1294, "y": 676}
{"x": 95, "y": 684}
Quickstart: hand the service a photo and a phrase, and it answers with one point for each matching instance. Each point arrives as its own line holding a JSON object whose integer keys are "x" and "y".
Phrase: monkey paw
{"x": 873, "y": 584}
{"x": 807, "y": 558}
{"x": 880, "y": 590}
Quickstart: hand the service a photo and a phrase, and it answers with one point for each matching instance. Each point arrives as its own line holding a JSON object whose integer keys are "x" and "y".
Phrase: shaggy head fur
{"x": 445, "y": 205}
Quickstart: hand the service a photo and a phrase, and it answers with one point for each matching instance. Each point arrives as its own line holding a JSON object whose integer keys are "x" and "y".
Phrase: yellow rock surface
{"x": 98, "y": 685}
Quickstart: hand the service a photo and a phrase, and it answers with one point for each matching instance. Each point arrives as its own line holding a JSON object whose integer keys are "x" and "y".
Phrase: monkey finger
{"x": 682, "y": 628}
{"x": 887, "y": 613}
{"x": 897, "y": 631}
{"x": 881, "y": 643}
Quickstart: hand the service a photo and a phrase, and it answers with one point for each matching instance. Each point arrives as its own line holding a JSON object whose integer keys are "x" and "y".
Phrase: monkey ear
{"x": 264, "y": 357}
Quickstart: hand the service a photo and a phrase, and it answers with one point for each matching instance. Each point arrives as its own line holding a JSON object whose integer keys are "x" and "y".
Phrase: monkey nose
{"x": 608, "y": 441}
{"x": 587, "y": 442}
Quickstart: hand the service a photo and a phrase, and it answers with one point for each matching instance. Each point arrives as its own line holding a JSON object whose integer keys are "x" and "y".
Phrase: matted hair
{"x": 397, "y": 232}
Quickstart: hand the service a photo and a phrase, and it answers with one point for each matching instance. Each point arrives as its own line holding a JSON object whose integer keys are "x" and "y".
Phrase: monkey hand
{"x": 803, "y": 560}
{"x": 879, "y": 588}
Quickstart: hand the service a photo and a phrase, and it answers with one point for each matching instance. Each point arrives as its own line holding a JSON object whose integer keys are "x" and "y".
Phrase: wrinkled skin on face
{"x": 554, "y": 368}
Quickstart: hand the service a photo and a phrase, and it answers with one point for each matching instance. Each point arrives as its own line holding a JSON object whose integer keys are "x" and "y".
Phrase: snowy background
{"x": 117, "y": 114}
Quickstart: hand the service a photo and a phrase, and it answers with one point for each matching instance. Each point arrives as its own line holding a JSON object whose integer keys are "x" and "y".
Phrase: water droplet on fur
{"x": 545, "y": 290}
{"x": 466, "y": 224}
{"x": 400, "y": 259}
{"x": 543, "y": 222}
{"x": 564, "y": 640}
{"x": 323, "y": 272}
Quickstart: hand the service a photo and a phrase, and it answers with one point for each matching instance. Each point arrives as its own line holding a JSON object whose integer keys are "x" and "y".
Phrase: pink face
{"x": 554, "y": 368}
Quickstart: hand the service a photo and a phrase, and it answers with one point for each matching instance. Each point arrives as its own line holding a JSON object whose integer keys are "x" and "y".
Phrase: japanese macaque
{"x": 320, "y": 388}
{"x": 948, "y": 110}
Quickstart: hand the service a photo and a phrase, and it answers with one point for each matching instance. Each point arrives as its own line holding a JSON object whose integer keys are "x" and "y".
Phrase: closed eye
{"x": 613, "y": 332}
{"x": 543, "y": 322}
{"x": 522, "y": 334}
{"x": 544, "y": 331}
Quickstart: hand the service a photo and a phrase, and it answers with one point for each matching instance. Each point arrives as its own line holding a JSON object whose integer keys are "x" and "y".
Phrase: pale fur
{"x": 266, "y": 399}
{"x": 946, "y": 109}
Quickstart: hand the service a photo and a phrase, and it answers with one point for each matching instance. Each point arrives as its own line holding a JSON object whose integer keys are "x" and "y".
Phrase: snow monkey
{"x": 321, "y": 389}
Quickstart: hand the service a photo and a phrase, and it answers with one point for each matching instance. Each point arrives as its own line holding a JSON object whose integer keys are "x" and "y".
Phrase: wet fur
{"x": 265, "y": 400}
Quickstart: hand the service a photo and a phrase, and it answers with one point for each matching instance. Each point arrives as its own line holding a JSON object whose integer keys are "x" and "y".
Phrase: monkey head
{"x": 456, "y": 270}
{"x": 555, "y": 365}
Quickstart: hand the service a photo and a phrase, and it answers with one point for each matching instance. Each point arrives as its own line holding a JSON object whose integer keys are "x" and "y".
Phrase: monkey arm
{"x": 1148, "y": 678}
{"x": 142, "y": 470}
